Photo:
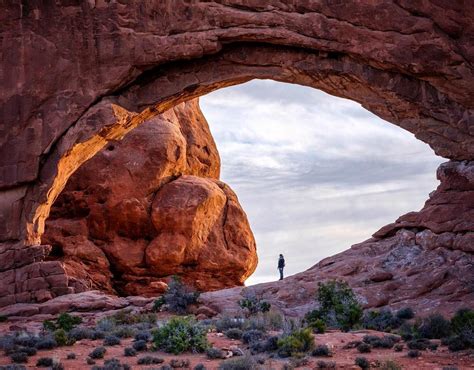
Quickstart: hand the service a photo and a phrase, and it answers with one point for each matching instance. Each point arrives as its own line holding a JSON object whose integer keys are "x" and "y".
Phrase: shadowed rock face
{"x": 78, "y": 76}
{"x": 151, "y": 206}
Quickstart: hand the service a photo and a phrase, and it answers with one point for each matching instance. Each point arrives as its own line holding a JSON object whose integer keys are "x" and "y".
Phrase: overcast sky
{"x": 314, "y": 173}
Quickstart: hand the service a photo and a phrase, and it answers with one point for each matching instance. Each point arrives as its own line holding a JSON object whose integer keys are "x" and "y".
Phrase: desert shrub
{"x": 62, "y": 338}
{"x": 158, "y": 303}
{"x": 214, "y": 353}
{"x": 251, "y": 336}
{"x": 124, "y": 331}
{"x": 405, "y": 313}
{"x": 112, "y": 364}
{"x": 233, "y": 333}
{"x": 421, "y": 344}
{"x": 459, "y": 342}
{"x": 129, "y": 352}
{"x": 321, "y": 351}
{"x": 139, "y": 345}
{"x": 80, "y": 333}
{"x": 19, "y": 357}
{"x": 390, "y": 365}
{"x": 387, "y": 341}
{"x": 463, "y": 320}
{"x": 71, "y": 356}
{"x": 13, "y": 367}
{"x": 127, "y": 317}
{"x": 200, "y": 367}
{"x": 296, "y": 343}
{"x": 239, "y": 363}
{"x": 325, "y": 364}
{"x": 406, "y": 331}
{"x": 178, "y": 297}
{"x": 225, "y": 323}
{"x": 382, "y": 320}
{"x": 180, "y": 334}
{"x": 434, "y": 327}
{"x": 105, "y": 325}
{"x": 143, "y": 335}
{"x": 265, "y": 345}
{"x": 318, "y": 326}
{"x": 45, "y": 362}
{"x": 364, "y": 348}
{"x": 362, "y": 362}
{"x": 46, "y": 343}
{"x": 66, "y": 321}
{"x": 297, "y": 362}
{"x": 111, "y": 340}
{"x": 413, "y": 353}
{"x": 352, "y": 344}
{"x": 398, "y": 347}
{"x": 97, "y": 353}
{"x": 30, "y": 351}
{"x": 252, "y": 304}
{"x": 90, "y": 361}
{"x": 97, "y": 334}
{"x": 150, "y": 360}
{"x": 338, "y": 305}
{"x": 177, "y": 363}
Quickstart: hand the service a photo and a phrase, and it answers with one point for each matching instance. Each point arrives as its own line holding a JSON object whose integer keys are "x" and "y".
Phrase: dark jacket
{"x": 281, "y": 262}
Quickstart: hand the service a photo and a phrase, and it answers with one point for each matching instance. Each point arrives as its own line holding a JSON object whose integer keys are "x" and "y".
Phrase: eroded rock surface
{"x": 149, "y": 207}
{"x": 425, "y": 260}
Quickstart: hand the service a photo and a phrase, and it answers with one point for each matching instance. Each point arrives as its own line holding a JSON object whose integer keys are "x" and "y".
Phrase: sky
{"x": 314, "y": 173}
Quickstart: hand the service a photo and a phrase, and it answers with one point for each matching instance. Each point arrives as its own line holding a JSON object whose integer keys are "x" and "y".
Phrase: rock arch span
{"x": 88, "y": 73}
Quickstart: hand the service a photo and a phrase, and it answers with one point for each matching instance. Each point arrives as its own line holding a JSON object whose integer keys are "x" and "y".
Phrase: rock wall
{"x": 425, "y": 260}
{"x": 151, "y": 206}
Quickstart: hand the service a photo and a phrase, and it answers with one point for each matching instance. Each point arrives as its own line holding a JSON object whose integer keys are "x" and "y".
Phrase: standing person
{"x": 281, "y": 265}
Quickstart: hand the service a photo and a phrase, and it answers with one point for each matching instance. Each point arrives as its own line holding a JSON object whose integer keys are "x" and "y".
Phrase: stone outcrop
{"x": 425, "y": 260}
{"x": 76, "y": 77}
{"x": 151, "y": 206}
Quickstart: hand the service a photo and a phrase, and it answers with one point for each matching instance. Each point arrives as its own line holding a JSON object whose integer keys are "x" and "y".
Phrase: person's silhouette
{"x": 281, "y": 265}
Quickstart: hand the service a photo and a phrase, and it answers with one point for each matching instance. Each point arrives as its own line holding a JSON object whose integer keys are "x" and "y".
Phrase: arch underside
{"x": 407, "y": 67}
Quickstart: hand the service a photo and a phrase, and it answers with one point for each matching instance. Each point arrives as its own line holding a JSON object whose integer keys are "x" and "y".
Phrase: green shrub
{"x": 321, "y": 351}
{"x": 405, "y": 313}
{"x": 64, "y": 321}
{"x": 362, "y": 362}
{"x": 180, "y": 334}
{"x": 252, "y": 304}
{"x": 97, "y": 353}
{"x": 463, "y": 320}
{"x": 178, "y": 297}
{"x": 318, "y": 326}
{"x": 434, "y": 327}
{"x": 150, "y": 360}
{"x": 364, "y": 348}
{"x": 234, "y": 333}
{"x": 239, "y": 363}
{"x": 158, "y": 303}
{"x": 406, "y": 331}
{"x": 338, "y": 306}
{"x": 62, "y": 338}
{"x": 296, "y": 343}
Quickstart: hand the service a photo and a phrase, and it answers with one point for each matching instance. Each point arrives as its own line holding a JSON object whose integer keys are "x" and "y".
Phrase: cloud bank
{"x": 314, "y": 173}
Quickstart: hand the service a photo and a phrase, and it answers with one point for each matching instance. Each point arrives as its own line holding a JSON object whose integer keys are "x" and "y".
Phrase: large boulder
{"x": 151, "y": 206}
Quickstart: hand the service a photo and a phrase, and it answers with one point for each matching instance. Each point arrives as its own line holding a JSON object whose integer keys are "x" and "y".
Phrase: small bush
{"x": 225, "y": 323}
{"x": 406, "y": 331}
{"x": 413, "y": 353}
{"x": 129, "y": 352}
{"x": 143, "y": 335}
{"x": 238, "y": 363}
{"x": 81, "y": 333}
{"x": 460, "y": 342}
{"x": 71, "y": 356}
{"x": 352, "y": 344}
{"x": 296, "y": 343}
{"x": 234, "y": 333}
{"x": 387, "y": 341}
{"x": 30, "y": 351}
{"x": 90, "y": 361}
{"x": 139, "y": 345}
{"x": 45, "y": 362}
{"x": 178, "y": 297}
{"x": 159, "y": 303}
{"x": 124, "y": 331}
{"x": 111, "y": 340}
{"x": 390, "y": 365}
{"x": 62, "y": 338}
{"x": 364, "y": 348}
{"x": 463, "y": 320}
{"x": 66, "y": 321}
{"x": 46, "y": 343}
{"x": 19, "y": 357}
{"x": 382, "y": 320}
{"x": 214, "y": 353}
{"x": 179, "y": 363}
{"x": 150, "y": 360}
{"x": 318, "y": 326}
{"x": 325, "y": 364}
{"x": 421, "y": 344}
{"x": 321, "y": 351}
{"x": 200, "y": 367}
{"x": 251, "y": 336}
{"x": 405, "y": 313}
{"x": 362, "y": 362}
{"x": 97, "y": 353}
{"x": 398, "y": 347}
{"x": 112, "y": 364}
{"x": 338, "y": 305}
{"x": 252, "y": 304}
{"x": 434, "y": 327}
{"x": 179, "y": 335}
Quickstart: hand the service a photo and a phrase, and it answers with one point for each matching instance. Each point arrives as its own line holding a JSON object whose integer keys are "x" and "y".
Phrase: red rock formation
{"x": 425, "y": 260}
{"x": 149, "y": 207}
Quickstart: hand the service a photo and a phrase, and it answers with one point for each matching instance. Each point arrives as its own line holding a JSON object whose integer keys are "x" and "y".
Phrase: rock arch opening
{"x": 411, "y": 66}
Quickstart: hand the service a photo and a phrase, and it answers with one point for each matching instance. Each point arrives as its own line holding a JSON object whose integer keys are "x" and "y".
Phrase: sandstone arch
{"x": 410, "y": 64}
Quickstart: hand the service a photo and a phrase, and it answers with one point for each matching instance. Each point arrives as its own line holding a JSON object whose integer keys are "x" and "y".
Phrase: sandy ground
{"x": 344, "y": 358}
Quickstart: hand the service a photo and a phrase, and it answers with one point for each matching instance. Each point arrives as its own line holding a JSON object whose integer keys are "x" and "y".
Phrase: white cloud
{"x": 314, "y": 173}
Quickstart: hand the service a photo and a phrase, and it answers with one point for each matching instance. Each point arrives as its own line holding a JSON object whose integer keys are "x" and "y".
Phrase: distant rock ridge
{"x": 149, "y": 207}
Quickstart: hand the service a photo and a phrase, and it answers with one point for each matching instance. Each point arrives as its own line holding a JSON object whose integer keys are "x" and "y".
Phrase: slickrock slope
{"x": 425, "y": 260}
{"x": 151, "y": 206}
